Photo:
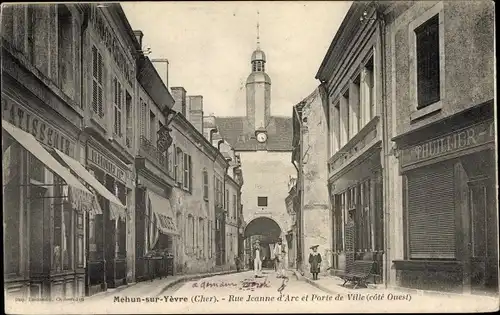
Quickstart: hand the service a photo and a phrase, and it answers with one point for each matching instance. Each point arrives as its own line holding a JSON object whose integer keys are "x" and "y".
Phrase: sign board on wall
{"x": 94, "y": 157}
{"x": 45, "y": 132}
{"x": 460, "y": 140}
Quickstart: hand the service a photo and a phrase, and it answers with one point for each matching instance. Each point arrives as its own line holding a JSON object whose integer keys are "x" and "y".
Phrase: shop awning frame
{"x": 80, "y": 197}
{"x": 117, "y": 209}
{"x": 164, "y": 214}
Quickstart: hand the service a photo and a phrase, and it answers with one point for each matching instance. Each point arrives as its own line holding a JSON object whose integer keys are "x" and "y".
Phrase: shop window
{"x": 97, "y": 82}
{"x": 65, "y": 49}
{"x": 427, "y": 55}
{"x": 205, "y": 185}
{"x": 117, "y": 107}
{"x": 262, "y": 201}
{"x": 122, "y": 223}
{"x": 11, "y": 180}
{"x": 62, "y": 252}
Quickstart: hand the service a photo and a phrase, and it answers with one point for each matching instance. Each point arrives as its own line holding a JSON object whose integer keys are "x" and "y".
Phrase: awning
{"x": 117, "y": 209}
{"x": 163, "y": 212}
{"x": 80, "y": 197}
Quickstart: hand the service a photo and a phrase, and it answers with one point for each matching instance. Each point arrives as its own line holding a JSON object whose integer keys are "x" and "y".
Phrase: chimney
{"x": 196, "y": 112}
{"x": 179, "y": 95}
{"x": 139, "y": 35}
{"x": 161, "y": 66}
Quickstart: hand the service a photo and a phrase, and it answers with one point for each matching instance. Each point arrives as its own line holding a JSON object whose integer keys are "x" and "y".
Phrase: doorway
{"x": 482, "y": 207}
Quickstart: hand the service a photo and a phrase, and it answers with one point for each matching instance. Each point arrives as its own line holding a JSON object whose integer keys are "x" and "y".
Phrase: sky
{"x": 209, "y": 45}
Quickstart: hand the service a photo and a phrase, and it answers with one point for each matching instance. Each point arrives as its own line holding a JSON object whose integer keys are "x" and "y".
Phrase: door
{"x": 483, "y": 236}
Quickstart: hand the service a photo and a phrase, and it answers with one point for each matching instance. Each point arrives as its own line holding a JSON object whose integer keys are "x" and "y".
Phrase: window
{"x": 262, "y": 201}
{"x": 128, "y": 119}
{"x": 117, "y": 107}
{"x": 366, "y": 92}
{"x": 193, "y": 234}
{"x": 187, "y": 172}
{"x": 201, "y": 237}
{"x": 209, "y": 230}
{"x": 355, "y": 117}
{"x": 8, "y": 21}
{"x": 30, "y": 32}
{"x": 152, "y": 127}
{"x": 144, "y": 110}
{"x": 97, "y": 82}
{"x": 427, "y": 57}
{"x": 205, "y": 185}
{"x": 234, "y": 206}
{"x": 344, "y": 118}
{"x": 179, "y": 166}
{"x": 226, "y": 202}
{"x": 170, "y": 159}
{"x": 65, "y": 50}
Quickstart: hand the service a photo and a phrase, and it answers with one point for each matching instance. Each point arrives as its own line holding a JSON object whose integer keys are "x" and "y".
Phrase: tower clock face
{"x": 261, "y": 137}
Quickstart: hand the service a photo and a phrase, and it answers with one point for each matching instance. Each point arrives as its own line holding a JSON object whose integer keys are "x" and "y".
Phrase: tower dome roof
{"x": 258, "y": 77}
{"x": 258, "y": 55}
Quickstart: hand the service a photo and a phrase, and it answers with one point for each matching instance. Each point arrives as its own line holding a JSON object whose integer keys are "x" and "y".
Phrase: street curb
{"x": 194, "y": 277}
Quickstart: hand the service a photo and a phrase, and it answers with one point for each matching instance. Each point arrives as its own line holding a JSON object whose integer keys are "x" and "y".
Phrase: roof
{"x": 240, "y": 133}
{"x": 258, "y": 55}
{"x": 258, "y": 77}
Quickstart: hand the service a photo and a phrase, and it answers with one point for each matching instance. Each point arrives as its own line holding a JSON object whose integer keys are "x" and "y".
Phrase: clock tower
{"x": 258, "y": 90}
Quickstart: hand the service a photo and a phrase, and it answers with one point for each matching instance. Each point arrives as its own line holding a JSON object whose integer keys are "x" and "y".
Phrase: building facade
{"x": 440, "y": 87}
{"x": 352, "y": 73}
{"x": 156, "y": 232}
{"x": 310, "y": 155}
{"x": 42, "y": 110}
{"x": 263, "y": 143}
{"x": 109, "y": 81}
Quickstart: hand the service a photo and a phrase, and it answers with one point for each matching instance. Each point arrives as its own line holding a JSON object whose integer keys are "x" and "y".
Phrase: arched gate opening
{"x": 267, "y": 231}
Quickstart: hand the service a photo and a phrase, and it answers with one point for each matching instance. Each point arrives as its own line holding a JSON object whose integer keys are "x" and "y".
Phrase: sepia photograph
{"x": 209, "y": 157}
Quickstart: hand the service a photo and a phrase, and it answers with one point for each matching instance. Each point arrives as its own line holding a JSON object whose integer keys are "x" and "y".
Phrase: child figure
{"x": 315, "y": 261}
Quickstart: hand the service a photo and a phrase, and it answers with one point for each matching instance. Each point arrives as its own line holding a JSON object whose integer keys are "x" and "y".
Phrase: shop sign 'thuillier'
{"x": 470, "y": 137}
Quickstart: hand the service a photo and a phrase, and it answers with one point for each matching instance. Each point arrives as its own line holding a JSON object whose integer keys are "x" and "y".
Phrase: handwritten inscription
{"x": 208, "y": 284}
{"x": 467, "y": 138}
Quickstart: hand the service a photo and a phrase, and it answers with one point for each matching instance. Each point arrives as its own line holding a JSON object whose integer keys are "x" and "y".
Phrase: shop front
{"x": 156, "y": 249}
{"x": 107, "y": 232}
{"x": 357, "y": 220}
{"x": 450, "y": 206}
{"x": 44, "y": 209}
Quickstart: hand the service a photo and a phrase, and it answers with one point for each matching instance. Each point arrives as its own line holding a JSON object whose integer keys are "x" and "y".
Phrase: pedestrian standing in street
{"x": 257, "y": 259}
{"x": 315, "y": 261}
{"x": 279, "y": 254}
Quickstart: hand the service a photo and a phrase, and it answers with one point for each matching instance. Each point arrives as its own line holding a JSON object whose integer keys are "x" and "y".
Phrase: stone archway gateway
{"x": 267, "y": 231}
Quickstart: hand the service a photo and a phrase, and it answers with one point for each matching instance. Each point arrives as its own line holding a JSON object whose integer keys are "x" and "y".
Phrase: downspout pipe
{"x": 385, "y": 148}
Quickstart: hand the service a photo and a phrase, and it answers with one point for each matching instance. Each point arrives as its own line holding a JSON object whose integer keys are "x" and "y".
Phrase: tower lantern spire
{"x": 258, "y": 31}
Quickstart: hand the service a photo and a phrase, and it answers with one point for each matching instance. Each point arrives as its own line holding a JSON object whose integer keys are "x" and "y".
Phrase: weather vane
{"x": 258, "y": 31}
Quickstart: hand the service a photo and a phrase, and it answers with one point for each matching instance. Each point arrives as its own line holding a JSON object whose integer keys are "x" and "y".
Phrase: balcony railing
{"x": 149, "y": 151}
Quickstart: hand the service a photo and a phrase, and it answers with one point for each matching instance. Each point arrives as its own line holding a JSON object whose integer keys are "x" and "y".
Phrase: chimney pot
{"x": 139, "y": 35}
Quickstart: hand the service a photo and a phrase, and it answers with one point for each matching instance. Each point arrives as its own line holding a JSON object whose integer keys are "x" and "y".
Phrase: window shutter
{"x": 431, "y": 212}
{"x": 190, "y": 173}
